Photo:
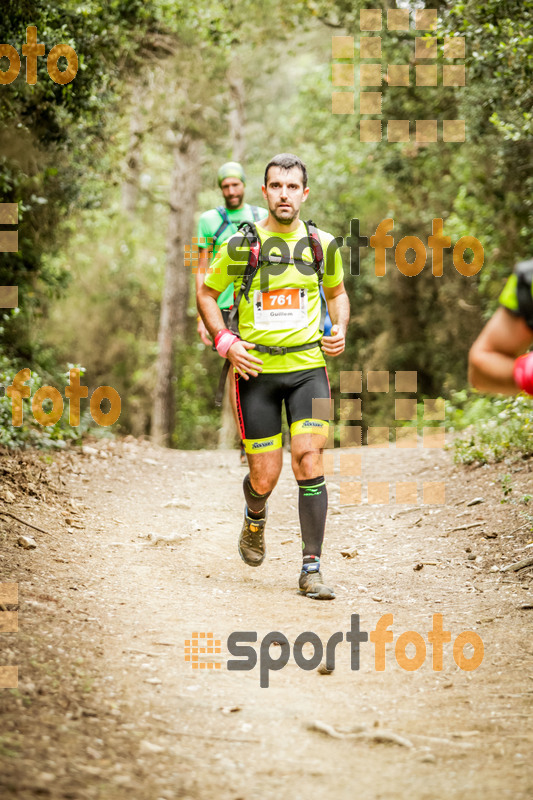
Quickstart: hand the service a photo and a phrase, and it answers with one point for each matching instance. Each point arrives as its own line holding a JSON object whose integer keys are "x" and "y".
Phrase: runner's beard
{"x": 284, "y": 220}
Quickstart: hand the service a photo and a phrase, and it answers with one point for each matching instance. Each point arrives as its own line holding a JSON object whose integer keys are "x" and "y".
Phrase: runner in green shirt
{"x": 281, "y": 321}
{"x": 216, "y": 226}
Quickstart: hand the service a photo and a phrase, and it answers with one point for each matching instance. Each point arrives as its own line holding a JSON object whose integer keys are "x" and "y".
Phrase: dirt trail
{"x": 107, "y": 706}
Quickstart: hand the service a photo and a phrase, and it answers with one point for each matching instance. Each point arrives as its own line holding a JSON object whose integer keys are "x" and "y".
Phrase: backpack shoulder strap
{"x": 223, "y": 225}
{"x": 318, "y": 265}
{"x": 316, "y": 247}
{"x": 250, "y": 235}
{"x": 255, "y": 213}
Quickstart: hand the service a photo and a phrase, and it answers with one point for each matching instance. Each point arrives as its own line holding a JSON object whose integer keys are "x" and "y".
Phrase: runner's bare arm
{"x": 204, "y": 256}
{"x": 492, "y": 356}
{"x": 339, "y": 311}
{"x": 245, "y": 363}
{"x": 206, "y": 301}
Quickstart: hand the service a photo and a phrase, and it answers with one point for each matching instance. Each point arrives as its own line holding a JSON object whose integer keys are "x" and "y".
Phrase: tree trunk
{"x": 130, "y": 186}
{"x": 175, "y": 300}
{"x": 237, "y": 119}
{"x": 227, "y": 434}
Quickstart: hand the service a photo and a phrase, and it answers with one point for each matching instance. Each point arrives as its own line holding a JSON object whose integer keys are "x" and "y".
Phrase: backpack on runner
{"x": 226, "y": 222}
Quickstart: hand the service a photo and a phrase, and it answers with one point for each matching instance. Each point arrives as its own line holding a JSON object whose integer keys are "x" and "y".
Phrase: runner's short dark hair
{"x": 287, "y": 161}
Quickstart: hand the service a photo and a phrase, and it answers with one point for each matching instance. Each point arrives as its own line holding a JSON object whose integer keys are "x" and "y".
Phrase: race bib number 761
{"x": 280, "y": 309}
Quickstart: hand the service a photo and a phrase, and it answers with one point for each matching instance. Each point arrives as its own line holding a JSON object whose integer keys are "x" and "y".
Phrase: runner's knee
{"x": 263, "y": 483}
{"x": 306, "y": 464}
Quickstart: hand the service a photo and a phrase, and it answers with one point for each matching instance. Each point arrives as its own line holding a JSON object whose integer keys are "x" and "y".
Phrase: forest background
{"x": 111, "y": 171}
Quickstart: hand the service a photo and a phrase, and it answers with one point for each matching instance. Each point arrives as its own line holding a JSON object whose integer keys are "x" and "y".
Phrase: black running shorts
{"x": 259, "y": 402}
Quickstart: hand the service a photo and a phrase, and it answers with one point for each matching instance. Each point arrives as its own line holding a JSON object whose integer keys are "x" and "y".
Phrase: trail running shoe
{"x": 312, "y": 585}
{"x": 251, "y": 541}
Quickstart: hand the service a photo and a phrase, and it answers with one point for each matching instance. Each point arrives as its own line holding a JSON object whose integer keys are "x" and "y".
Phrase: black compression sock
{"x": 256, "y": 502}
{"x": 312, "y": 508}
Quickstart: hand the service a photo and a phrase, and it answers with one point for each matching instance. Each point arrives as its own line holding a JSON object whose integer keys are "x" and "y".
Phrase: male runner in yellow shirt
{"x": 280, "y": 318}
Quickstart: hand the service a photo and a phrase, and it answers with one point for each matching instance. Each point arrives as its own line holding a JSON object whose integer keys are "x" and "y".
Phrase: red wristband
{"x": 223, "y": 341}
{"x": 523, "y": 373}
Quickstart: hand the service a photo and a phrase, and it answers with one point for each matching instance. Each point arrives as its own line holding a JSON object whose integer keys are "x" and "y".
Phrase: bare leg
{"x": 265, "y": 470}
{"x": 306, "y": 455}
{"x": 264, "y": 473}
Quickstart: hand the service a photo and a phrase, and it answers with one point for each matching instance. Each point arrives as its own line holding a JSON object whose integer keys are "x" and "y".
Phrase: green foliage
{"x": 493, "y": 427}
{"x": 197, "y": 418}
{"x": 91, "y": 279}
{"x": 507, "y": 487}
{"x": 52, "y": 136}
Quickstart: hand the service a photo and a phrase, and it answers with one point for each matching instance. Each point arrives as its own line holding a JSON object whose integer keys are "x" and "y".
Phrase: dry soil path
{"x": 133, "y": 580}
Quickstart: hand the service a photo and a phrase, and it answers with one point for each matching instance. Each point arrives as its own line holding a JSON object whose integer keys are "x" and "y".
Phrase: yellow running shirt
{"x": 284, "y": 304}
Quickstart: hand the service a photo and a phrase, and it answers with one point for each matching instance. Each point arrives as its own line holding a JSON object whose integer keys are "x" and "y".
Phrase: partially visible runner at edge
{"x": 498, "y": 361}
{"x": 224, "y": 221}
{"x": 296, "y": 378}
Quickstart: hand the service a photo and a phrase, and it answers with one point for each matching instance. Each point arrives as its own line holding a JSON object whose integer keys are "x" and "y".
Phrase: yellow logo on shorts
{"x": 260, "y": 445}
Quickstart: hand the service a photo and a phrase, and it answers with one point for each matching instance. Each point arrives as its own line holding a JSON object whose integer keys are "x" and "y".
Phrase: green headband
{"x": 232, "y": 169}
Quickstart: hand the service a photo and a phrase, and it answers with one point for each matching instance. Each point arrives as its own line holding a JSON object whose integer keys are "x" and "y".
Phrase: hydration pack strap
{"x": 223, "y": 225}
